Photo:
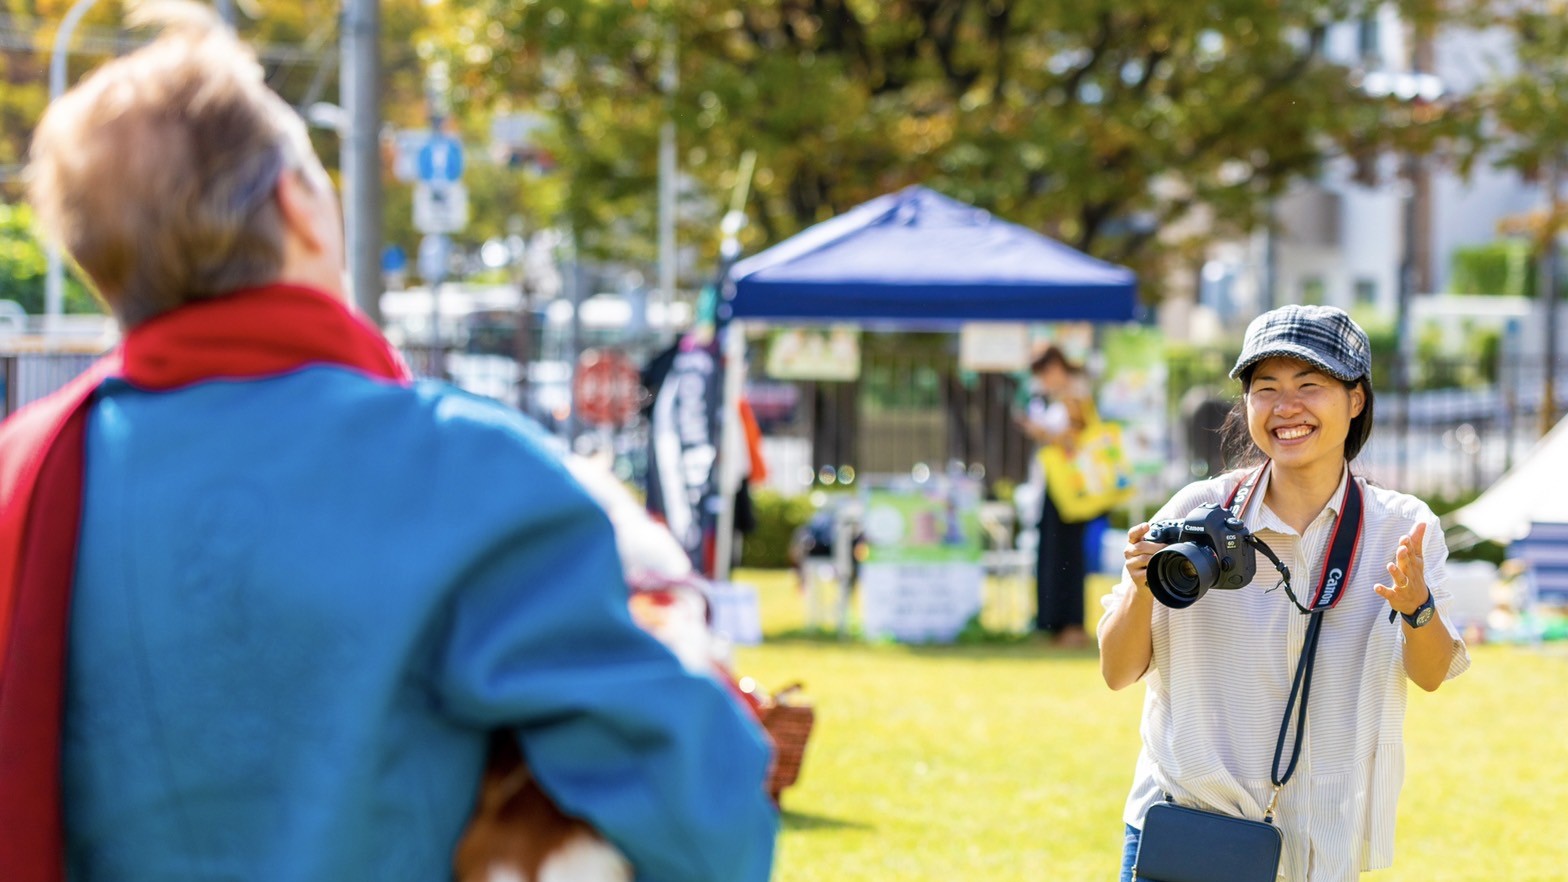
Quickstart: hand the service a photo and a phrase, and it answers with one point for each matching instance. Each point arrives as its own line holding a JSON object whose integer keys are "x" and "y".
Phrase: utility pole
{"x": 1546, "y": 285}
{"x": 1413, "y": 272}
{"x": 1268, "y": 297}
{"x": 1405, "y": 356}
{"x": 669, "y": 81}
{"x": 361, "y": 88}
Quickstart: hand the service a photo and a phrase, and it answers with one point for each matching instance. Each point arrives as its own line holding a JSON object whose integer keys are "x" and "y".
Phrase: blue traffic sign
{"x": 393, "y": 260}
{"x": 440, "y": 160}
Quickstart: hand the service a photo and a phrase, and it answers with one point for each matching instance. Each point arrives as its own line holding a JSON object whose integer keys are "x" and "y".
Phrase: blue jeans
{"x": 1130, "y": 851}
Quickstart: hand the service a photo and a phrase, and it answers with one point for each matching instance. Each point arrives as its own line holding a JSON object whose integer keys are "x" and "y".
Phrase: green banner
{"x": 934, "y": 521}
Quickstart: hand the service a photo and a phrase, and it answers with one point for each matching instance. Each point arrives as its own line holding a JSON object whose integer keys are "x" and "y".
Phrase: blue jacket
{"x": 302, "y": 602}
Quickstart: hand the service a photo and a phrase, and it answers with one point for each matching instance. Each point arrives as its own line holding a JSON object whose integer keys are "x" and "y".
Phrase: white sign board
{"x": 919, "y": 602}
{"x": 737, "y": 615}
{"x": 440, "y": 208}
{"x": 998, "y": 347}
{"x": 831, "y": 354}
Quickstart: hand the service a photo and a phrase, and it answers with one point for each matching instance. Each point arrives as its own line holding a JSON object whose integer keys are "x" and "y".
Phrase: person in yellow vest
{"x": 1056, "y": 418}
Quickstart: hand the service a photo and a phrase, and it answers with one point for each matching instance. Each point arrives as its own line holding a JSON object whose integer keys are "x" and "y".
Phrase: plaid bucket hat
{"x": 1323, "y": 336}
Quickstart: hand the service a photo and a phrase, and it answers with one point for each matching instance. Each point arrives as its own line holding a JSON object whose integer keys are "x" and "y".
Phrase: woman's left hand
{"x": 1407, "y": 574}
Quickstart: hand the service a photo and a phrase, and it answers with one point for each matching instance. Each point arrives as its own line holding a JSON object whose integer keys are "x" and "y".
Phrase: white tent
{"x": 1534, "y": 490}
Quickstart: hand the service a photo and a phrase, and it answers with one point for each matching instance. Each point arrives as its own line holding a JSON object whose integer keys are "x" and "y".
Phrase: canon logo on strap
{"x": 1331, "y": 584}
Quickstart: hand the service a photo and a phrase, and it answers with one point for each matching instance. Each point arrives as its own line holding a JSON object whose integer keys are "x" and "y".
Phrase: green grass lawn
{"x": 1010, "y": 761}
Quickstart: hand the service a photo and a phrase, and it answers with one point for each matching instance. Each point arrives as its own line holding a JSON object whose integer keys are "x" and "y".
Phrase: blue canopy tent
{"x": 917, "y": 258}
{"x": 914, "y": 259}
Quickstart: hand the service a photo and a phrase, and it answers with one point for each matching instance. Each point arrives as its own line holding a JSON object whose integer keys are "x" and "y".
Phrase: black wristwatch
{"x": 1423, "y": 613}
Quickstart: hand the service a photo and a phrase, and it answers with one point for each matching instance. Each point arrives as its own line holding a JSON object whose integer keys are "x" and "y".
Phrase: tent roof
{"x": 1530, "y": 492}
{"x": 917, "y": 257}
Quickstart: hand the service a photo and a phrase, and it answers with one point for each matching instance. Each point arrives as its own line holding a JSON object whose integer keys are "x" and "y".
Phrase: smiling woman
{"x": 1299, "y": 416}
{"x": 1284, "y": 379}
{"x": 1220, "y": 671}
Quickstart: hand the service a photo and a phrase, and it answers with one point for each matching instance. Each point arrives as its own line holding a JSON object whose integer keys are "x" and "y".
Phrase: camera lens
{"x": 1180, "y": 574}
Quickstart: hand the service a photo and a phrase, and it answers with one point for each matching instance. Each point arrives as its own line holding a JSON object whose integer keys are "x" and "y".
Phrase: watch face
{"x": 1423, "y": 616}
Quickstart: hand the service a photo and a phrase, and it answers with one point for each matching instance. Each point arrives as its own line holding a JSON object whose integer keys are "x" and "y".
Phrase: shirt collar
{"x": 1259, "y": 516}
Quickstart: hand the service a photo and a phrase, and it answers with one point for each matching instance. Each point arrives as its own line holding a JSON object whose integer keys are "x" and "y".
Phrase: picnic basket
{"x": 788, "y": 721}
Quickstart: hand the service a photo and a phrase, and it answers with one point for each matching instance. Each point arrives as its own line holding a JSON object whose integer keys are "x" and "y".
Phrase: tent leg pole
{"x": 730, "y": 444}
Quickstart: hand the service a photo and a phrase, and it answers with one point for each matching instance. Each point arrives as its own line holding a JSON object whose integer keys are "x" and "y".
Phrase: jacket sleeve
{"x": 660, "y": 761}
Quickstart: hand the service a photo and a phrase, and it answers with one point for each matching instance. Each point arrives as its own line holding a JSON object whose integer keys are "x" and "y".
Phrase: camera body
{"x": 1210, "y": 548}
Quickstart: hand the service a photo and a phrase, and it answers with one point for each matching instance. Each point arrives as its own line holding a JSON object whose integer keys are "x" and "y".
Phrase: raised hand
{"x": 1406, "y": 590}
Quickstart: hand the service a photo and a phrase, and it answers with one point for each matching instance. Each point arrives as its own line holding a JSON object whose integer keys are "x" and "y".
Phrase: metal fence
{"x": 26, "y": 377}
{"x": 1463, "y": 424}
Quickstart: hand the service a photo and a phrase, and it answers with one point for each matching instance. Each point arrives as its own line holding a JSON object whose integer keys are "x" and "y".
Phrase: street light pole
{"x": 362, "y": 152}
{"x": 54, "y": 278}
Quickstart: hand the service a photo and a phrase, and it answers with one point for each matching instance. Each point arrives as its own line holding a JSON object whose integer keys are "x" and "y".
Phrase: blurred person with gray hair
{"x": 263, "y": 599}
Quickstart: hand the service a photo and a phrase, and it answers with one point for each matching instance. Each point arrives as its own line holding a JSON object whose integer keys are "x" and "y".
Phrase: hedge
{"x": 778, "y": 516}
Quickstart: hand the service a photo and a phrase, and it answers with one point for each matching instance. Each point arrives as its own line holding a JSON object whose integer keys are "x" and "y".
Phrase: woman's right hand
{"x": 1126, "y": 641}
{"x": 1137, "y": 554}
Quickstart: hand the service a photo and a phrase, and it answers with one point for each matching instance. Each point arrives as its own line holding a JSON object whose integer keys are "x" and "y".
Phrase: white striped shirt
{"x": 1222, "y": 670}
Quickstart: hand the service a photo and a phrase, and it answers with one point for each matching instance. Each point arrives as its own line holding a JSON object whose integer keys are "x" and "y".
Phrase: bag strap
{"x": 1302, "y": 685}
{"x": 1341, "y": 554}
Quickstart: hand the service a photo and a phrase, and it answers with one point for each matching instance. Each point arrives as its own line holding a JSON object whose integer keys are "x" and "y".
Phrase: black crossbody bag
{"x": 1182, "y": 844}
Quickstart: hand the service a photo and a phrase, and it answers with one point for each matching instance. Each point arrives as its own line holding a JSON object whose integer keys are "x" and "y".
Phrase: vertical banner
{"x": 684, "y": 447}
{"x": 1132, "y": 392}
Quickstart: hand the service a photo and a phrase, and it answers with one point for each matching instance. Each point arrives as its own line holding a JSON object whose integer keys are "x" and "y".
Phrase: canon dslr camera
{"x": 1211, "y": 548}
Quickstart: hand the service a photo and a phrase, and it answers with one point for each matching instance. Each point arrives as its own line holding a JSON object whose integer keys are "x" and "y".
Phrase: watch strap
{"x": 1422, "y": 614}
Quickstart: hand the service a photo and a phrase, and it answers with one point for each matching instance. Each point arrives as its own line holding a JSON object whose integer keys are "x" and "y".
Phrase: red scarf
{"x": 253, "y": 333}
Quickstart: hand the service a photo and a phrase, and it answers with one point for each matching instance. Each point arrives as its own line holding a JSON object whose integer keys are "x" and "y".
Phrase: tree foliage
{"x": 295, "y": 40}
{"x": 1108, "y": 123}
{"x": 1527, "y": 107}
{"x": 1137, "y": 130}
{"x": 23, "y": 266}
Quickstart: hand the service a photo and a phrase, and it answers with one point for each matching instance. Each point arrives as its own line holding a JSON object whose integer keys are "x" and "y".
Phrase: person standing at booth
{"x": 1060, "y": 566}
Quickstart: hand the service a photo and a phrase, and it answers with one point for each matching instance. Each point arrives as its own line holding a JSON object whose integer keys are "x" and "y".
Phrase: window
{"x": 1368, "y": 38}
{"x": 1366, "y": 292}
{"x": 1312, "y": 290}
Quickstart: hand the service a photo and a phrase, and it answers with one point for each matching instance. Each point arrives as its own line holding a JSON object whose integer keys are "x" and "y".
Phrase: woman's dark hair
{"x": 1236, "y": 440}
{"x": 1050, "y": 354}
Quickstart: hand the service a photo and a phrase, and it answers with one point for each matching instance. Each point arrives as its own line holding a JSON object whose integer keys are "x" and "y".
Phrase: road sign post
{"x": 440, "y": 199}
{"x": 440, "y": 208}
